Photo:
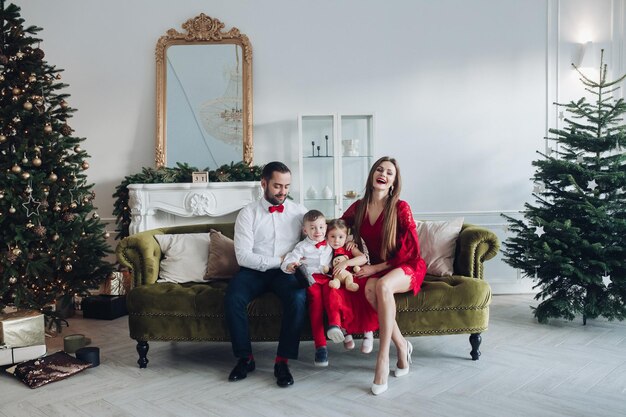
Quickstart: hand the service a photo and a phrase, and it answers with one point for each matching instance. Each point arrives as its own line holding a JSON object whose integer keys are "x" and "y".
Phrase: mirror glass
{"x": 204, "y": 109}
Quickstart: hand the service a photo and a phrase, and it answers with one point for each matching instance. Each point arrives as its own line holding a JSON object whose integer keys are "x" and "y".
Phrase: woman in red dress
{"x": 386, "y": 225}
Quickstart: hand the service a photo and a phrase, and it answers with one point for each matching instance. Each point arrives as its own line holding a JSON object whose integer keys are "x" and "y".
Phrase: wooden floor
{"x": 526, "y": 369}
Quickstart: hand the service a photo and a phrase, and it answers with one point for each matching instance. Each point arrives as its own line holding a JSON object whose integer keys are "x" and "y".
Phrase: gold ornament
{"x": 3, "y": 138}
{"x": 28, "y": 105}
{"x": 16, "y": 91}
{"x": 73, "y": 205}
{"x": 55, "y": 237}
{"x": 12, "y": 280}
{"x": 29, "y": 225}
{"x": 107, "y": 235}
{"x": 53, "y": 177}
{"x": 68, "y": 268}
{"x": 63, "y": 104}
{"x": 47, "y": 128}
{"x": 85, "y": 165}
{"x": 11, "y": 209}
{"x": 32, "y": 78}
{"x": 95, "y": 216}
{"x": 16, "y": 251}
{"x": 1, "y": 195}
{"x": 25, "y": 175}
{"x": 36, "y": 161}
{"x": 24, "y": 160}
{"x": 57, "y": 207}
{"x": 77, "y": 148}
{"x": 16, "y": 169}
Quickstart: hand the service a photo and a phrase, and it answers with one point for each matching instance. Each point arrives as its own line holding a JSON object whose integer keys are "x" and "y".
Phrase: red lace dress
{"x": 407, "y": 254}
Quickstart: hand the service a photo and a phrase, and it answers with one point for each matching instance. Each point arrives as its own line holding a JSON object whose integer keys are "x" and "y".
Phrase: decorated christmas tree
{"x": 53, "y": 242}
{"x": 572, "y": 241}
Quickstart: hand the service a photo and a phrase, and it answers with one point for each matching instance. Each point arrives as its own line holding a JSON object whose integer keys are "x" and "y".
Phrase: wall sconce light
{"x": 585, "y": 56}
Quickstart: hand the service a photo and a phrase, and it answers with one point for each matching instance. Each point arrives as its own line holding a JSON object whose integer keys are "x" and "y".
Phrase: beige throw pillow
{"x": 222, "y": 262}
{"x": 437, "y": 244}
{"x": 185, "y": 257}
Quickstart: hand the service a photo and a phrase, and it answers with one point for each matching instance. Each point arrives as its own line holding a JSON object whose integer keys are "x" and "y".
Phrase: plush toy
{"x": 344, "y": 276}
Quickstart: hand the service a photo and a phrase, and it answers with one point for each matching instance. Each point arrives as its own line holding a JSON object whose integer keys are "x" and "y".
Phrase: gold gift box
{"x": 22, "y": 328}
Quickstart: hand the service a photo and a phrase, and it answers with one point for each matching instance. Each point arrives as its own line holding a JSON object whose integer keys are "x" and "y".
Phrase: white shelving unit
{"x": 336, "y": 153}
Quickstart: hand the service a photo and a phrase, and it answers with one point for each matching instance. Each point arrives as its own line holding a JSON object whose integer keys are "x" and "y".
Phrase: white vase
{"x": 327, "y": 192}
{"x": 311, "y": 193}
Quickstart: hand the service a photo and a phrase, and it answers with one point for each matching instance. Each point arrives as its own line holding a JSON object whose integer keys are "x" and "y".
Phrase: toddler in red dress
{"x": 356, "y": 313}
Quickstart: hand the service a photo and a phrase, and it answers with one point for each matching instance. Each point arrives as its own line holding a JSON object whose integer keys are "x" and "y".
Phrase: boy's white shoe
{"x": 335, "y": 334}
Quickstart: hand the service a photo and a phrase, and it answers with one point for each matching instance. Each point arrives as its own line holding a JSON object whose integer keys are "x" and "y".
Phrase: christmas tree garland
{"x": 235, "y": 172}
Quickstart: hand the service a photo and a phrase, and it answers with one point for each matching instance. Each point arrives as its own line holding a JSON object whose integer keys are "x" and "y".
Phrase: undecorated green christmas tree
{"x": 53, "y": 242}
{"x": 572, "y": 241}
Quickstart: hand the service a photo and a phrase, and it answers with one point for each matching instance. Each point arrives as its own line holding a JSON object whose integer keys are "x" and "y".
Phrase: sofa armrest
{"x": 474, "y": 246}
{"x": 141, "y": 253}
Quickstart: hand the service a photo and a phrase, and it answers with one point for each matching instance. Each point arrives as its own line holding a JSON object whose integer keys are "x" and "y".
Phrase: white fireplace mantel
{"x": 160, "y": 205}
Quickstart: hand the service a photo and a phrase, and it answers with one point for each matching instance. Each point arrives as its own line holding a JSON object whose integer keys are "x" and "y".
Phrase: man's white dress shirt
{"x": 262, "y": 238}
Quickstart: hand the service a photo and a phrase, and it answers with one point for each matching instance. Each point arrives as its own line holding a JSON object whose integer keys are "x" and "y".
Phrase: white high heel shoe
{"x": 378, "y": 389}
{"x": 404, "y": 371}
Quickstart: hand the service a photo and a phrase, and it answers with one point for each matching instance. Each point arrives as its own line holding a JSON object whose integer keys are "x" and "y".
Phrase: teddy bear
{"x": 344, "y": 276}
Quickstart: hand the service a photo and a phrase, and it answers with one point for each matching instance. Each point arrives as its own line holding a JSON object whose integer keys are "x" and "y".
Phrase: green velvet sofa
{"x": 158, "y": 311}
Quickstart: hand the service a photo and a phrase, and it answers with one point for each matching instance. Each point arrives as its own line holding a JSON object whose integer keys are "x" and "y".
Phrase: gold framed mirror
{"x": 204, "y": 95}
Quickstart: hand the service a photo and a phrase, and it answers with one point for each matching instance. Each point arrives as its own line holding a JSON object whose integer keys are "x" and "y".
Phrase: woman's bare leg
{"x": 396, "y": 281}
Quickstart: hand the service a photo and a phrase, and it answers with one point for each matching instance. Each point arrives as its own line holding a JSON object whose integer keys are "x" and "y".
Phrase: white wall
{"x": 459, "y": 88}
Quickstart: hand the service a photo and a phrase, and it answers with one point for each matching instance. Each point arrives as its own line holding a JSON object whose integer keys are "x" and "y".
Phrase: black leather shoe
{"x": 282, "y": 374}
{"x": 240, "y": 371}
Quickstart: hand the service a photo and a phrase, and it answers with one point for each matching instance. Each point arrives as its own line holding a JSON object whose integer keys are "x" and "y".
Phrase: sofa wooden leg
{"x": 475, "y": 340}
{"x": 142, "y": 349}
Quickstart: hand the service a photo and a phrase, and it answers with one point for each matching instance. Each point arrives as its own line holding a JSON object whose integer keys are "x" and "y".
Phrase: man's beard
{"x": 274, "y": 199}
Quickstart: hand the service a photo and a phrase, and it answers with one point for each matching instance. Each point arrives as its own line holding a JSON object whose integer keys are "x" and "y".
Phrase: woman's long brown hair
{"x": 390, "y": 212}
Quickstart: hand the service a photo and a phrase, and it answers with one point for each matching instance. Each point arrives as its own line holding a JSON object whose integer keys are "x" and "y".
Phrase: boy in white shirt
{"x": 311, "y": 255}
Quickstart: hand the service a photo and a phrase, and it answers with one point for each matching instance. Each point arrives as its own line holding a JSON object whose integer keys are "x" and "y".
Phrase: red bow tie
{"x": 280, "y": 208}
{"x": 322, "y": 243}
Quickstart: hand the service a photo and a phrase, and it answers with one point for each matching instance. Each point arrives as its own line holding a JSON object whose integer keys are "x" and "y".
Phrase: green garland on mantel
{"x": 234, "y": 172}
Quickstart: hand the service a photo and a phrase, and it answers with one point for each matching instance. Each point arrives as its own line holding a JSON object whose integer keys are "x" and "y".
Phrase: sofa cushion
{"x": 185, "y": 257}
{"x": 195, "y": 311}
{"x": 437, "y": 243}
{"x": 445, "y": 305}
{"x": 222, "y": 262}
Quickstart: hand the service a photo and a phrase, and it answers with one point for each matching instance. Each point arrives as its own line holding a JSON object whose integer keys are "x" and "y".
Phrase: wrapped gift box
{"x": 22, "y": 328}
{"x": 104, "y": 307}
{"x": 118, "y": 283}
{"x": 9, "y": 356}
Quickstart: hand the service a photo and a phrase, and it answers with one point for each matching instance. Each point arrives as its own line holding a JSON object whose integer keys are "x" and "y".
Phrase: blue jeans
{"x": 247, "y": 285}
